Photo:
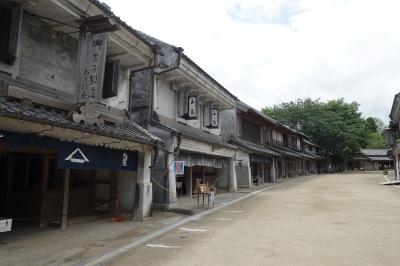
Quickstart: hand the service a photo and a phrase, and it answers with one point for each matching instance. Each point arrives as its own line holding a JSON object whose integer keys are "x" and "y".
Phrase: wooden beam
{"x": 67, "y": 175}
{"x": 43, "y": 191}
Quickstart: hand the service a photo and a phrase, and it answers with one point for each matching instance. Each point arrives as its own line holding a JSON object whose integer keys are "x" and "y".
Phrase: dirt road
{"x": 344, "y": 219}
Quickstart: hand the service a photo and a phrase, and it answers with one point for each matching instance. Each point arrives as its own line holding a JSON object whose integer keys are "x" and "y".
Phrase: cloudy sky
{"x": 270, "y": 51}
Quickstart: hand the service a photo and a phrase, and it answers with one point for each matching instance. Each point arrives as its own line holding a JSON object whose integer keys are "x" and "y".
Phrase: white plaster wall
{"x": 164, "y": 99}
{"x": 244, "y": 157}
{"x": 126, "y": 187}
{"x": 243, "y": 172}
{"x": 194, "y": 123}
{"x": 121, "y": 101}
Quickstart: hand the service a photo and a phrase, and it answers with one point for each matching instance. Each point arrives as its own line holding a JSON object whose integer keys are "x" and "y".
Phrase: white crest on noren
{"x": 77, "y": 160}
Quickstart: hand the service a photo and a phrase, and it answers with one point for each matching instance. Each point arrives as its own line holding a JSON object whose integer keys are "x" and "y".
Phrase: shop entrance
{"x": 32, "y": 190}
{"x": 185, "y": 184}
{"x": 22, "y": 186}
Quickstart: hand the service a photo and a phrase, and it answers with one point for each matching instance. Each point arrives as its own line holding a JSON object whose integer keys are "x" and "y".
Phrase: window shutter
{"x": 206, "y": 116}
{"x": 110, "y": 86}
{"x": 182, "y": 103}
{"x": 15, "y": 29}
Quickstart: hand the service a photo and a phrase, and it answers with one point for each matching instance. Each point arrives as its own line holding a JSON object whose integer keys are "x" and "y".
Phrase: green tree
{"x": 376, "y": 140}
{"x": 371, "y": 124}
{"x": 336, "y": 126}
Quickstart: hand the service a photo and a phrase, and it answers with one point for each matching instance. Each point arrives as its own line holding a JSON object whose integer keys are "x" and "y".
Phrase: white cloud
{"x": 279, "y": 50}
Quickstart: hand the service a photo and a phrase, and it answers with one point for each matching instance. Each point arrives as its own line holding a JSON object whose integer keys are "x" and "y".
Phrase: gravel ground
{"x": 340, "y": 219}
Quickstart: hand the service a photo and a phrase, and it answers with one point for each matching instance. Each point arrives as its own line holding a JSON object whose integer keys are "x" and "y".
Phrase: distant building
{"x": 371, "y": 160}
{"x": 394, "y": 130}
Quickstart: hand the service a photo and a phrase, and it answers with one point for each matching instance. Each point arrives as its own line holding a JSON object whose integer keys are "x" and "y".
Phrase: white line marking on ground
{"x": 108, "y": 256}
{"x": 387, "y": 179}
{"x": 223, "y": 219}
{"x": 192, "y": 230}
{"x": 160, "y": 246}
{"x": 234, "y": 211}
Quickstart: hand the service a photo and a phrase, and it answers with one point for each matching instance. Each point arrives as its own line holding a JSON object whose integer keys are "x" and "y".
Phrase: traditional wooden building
{"x": 68, "y": 145}
{"x": 314, "y": 163}
{"x": 181, "y": 104}
{"x": 249, "y": 130}
{"x": 267, "y": 149}
{"x": 371, "y": 160}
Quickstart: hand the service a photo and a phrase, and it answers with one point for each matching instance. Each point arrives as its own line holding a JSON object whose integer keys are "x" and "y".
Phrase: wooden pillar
{"x": 286, "y": 169}
{"x": 43, "y": 191}
{"x": 67, "y": 174}
{"x": 262, "y": 172}
{"x": 190, "y": 181}
{"x": 113, "y": 190}
{"x": 11, "y": 167}
{"x": 273, "y": 173}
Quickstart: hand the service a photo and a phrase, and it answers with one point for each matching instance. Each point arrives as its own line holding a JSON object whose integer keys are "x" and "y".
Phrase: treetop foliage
{"x": 336, "y": 126}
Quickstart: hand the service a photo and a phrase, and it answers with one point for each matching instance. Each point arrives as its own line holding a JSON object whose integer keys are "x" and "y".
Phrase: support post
{"x": 145, "y": 185}
{"x": 171, "y": 198}
{"x": 250, "y": 177}
{"x": 273, "y": 174}
{"x": 43, "y": 192}
{"x": 190, "y": 181}
{"x": 262, "y": 172}
{"x": 232, "y": 176}
{"x": 67, "y": 174}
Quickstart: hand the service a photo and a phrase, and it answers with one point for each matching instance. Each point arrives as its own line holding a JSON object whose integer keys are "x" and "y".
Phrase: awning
{"x": 260, "y": 159}
{"x": 72, "y": 155}
{"x": 380, "y": 159}
{"x": 285, "y": 152}
{"x": 191, "y": 132}
{"x": 44, "y": 115}
{"x": 253, "y": 148}
{"x": 315, "y": 156}
{"x": 197, "y": 159}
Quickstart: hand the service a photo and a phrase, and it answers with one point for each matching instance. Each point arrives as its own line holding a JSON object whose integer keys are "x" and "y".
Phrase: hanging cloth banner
{"x": 84, "y": 157}
{"x": 72, "y": 155}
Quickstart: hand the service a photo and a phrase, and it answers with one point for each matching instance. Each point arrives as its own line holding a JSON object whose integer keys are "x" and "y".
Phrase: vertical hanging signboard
{"x": 92, "y": 54}
{"x": 214, "y": 118}
{"x": 192, "y": 107}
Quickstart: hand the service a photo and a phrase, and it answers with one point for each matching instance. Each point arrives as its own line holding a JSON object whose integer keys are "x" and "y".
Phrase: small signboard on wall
{"x": 214, "y": 118}
{"x": 179, "y": 167}
{"x": 192, "y": 114}
{"x": 5, "y": 225}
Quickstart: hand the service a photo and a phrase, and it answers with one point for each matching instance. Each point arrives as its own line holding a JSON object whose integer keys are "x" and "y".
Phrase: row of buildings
{"x": 92, "y": 110}
{"x": 392, "y": 134}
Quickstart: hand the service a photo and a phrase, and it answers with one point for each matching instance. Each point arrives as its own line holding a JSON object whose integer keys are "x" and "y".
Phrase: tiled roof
{"x": 316, "y": 156}
{"x": 260, "y": 114}
{"x": 374, "y": 152}
{"x": 385, "y": 158}
{"x": 253, "y": 148}
{"x": 128, "y": 130}
{"x": 310, "y": 143}
{"x": 193, "y": 133}
{"x": 287, "y": 152}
